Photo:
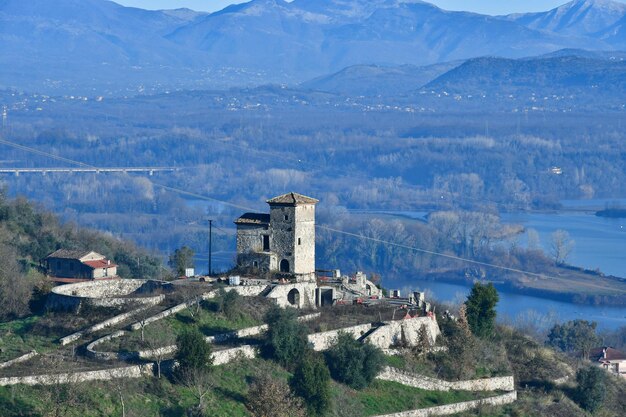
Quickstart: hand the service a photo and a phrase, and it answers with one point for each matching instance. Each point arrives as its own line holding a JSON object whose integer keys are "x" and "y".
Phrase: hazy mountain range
{"x": 97, "y": 45}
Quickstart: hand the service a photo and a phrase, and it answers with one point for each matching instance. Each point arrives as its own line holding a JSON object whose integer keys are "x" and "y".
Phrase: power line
{"x": 355, "y": 235}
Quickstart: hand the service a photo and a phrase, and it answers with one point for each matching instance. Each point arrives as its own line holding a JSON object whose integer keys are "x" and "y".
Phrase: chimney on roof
{"x": 108, "y": 262}
{"x": 603, "y": 353}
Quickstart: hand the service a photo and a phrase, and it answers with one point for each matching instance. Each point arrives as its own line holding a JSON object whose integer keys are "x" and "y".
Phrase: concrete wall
{"x": 446, "y": 410}
{"x": 137, "y": 371}
{"x": 505, "y": 383}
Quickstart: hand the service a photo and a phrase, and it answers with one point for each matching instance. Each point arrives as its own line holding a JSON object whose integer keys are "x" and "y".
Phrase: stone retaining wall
{"x": 137, "y": 371}
{"x": 505, "y": 383}
{"x": 392, "y": 332}
{"x": 243, "y": 290}
{"x": 102, "y": 325}
{"x": 222, "y": 357}
{"x": 323, "y": 340}
{"x": 105, "y": 293}
{"x": 446, "y": 410}
{"x": 19, "y": 359}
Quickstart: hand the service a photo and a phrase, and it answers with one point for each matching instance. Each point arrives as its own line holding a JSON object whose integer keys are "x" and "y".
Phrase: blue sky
{"x": 493, "y": 7}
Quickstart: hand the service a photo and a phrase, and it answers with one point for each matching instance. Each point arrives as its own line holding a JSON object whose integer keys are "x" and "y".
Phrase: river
{"x": 524, "y": 309}
{"x": 599, "y": 243}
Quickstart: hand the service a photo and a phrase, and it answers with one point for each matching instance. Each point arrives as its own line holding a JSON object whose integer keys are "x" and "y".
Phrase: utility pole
{"x": 210, "y": 239}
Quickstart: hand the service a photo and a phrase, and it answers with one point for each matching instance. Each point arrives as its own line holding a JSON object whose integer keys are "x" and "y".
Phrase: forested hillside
{"x": 28, "y": 234}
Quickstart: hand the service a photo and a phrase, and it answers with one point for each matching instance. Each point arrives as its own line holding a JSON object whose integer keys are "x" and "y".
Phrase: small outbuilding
{"x": 66, "y": 265}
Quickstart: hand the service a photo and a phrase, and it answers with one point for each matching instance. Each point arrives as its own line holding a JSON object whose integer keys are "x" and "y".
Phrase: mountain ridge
{"x": 91, "y": 45}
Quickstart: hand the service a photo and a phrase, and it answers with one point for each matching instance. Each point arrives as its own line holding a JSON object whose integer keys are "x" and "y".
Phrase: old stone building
{"x": 69, "y": 266}
{"x": 281, "y": 241}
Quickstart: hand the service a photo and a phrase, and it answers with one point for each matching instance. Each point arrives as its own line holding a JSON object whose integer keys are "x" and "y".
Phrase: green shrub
{"x": 591, "y": 388}
{"x": 481, "y": 309}
{"x": 354, "y": 363}
{"x": 311, "y": 381}
{"x": 193, "y": 351}
{"x": 286, "y": 338}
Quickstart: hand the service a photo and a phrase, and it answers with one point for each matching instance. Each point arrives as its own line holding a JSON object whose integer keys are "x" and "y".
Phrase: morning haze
{"x": 312, "y": 208}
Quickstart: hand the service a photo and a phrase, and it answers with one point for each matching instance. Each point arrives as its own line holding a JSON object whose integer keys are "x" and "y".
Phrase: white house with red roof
{"x": 66, "y": 265}
{"x": 610, "y": 359}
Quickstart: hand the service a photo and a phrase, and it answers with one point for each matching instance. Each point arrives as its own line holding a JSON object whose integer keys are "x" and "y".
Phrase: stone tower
{"x": 292, "y": 220}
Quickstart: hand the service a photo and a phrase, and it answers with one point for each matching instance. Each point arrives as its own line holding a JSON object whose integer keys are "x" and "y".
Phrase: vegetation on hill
{"x": 28, "y": 234}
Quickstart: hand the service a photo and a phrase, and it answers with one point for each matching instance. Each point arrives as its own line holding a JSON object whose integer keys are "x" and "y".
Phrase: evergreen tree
{"x": 591, "y": 388}
{"x": 181, "y": 259}
{"x": 574, "y": 336}
{"x": 286, "y": 339}
{"x": 481, "y": 309}
{"x": 354, "y": 363}
{"x": 193, "y": 352}
{"x": 311, "y": 381}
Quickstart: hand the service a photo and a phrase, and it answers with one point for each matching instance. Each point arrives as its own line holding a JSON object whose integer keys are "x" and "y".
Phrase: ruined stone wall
{"x": 322, "y": 341}
{"x": 450, "y": 409}
{"x": 505, "y": 383}
{"x": 391, "y": 333}
{"x": 306, "y": 294}
{"x": 249, "y": 238}
{"x": 19, "y": 359}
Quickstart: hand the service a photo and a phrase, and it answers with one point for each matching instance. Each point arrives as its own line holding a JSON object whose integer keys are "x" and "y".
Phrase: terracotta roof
{"x": 254, "y": 218}
{"x": 101, "y": 263}
{"x": 68, "y": 254}
{"x": 292, "y": 199}
{"x": 597, "y": 354}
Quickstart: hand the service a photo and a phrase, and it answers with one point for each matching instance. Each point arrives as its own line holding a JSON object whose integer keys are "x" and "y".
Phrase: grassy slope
{"x": 151, "y": 397}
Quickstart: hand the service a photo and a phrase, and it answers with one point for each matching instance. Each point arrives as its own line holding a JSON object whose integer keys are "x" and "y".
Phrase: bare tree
{"x": 15, "y": 288}
{"x": 159, "y": 337}
{"x": 199, "y": 382}
{"x": 561, "y": 246}
{"x": 270, "y": 397}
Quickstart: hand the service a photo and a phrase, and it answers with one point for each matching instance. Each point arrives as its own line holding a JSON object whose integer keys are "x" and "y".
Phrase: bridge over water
{"x": 97, "y": 170}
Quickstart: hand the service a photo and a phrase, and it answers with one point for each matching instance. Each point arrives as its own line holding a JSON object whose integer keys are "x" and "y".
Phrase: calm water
{"x": 598, "y": 243}
{"x": 526, "y": 309}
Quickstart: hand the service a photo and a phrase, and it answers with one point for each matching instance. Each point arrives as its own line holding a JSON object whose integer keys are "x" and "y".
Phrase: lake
{"x": 598, "y": 243}
{"x": 523, "y": 308}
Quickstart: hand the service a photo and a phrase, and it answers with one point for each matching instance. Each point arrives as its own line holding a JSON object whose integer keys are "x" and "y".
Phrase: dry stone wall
{"x": 392, "y": 332}
{"x": 106, "y": 293}
{"x": 19, "y": 359}
{"x": 449, "y": 409}
{"x": 102, "y": 325}
{"x": 137, "y": 371}
{"x": 505, "y": 383}
{"x": 322, "y": 341}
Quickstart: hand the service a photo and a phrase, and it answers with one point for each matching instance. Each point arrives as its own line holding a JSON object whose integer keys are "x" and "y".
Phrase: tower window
{"x": 286, "y": 217}
{"x": 299, "y": 241}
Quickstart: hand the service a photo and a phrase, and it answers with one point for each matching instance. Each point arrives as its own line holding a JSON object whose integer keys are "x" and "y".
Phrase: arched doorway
{"x": 294, "y": 297}
{"x": 284, "y": 265}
